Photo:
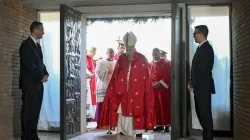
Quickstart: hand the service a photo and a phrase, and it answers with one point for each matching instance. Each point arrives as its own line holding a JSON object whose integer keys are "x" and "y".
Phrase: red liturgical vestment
{"x": 160, "y": 72}
{"x": 130, "y": 87}
{"x": 91, "y": 67}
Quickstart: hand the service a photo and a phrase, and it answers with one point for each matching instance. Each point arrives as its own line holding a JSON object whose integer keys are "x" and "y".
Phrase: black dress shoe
{"x": 121, "y": 133}
{"x": 159, "y": 128}
{"x": 139, "y": 135}
{"x": 166, "y": 130}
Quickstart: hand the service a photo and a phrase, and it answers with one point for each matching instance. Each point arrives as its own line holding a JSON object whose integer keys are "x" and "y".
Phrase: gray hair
{"x": 92, "y": 49}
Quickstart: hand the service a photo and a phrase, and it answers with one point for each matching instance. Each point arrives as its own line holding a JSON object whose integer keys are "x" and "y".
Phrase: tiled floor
{"x": 49, "y": 136}
{"x": 200, "y": 138}
{"x": 101, "y": 135}
{"x": 98, "y": 134}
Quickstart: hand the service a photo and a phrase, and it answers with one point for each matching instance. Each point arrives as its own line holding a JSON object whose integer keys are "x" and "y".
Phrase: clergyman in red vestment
{"x": 160, "y": 75}
{"x": 91, "y": 65}
{"x": 128, "y": 101}
{"x": 120, "y": 48}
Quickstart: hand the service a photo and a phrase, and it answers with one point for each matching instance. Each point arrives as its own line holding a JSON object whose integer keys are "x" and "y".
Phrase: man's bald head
{"x": 156, "y": 54}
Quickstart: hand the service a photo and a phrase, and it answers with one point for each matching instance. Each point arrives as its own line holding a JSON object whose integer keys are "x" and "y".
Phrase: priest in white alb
{"x": 104, "y": 71}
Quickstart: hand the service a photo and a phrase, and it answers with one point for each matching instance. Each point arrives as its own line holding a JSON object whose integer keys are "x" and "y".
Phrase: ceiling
{"x": 54, "y": 4}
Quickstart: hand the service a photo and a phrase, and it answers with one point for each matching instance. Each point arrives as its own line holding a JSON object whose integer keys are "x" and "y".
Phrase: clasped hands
{"x": 190, "y": 88}
{"x": 156, "y": 84}
{"x": 45, "y": 78}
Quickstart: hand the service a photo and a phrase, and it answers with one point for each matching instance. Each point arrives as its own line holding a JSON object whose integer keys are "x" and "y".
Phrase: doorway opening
{"x": 50, "y": 112}
{"x": 150, "y": 35}
{"x": 49, "y": 120}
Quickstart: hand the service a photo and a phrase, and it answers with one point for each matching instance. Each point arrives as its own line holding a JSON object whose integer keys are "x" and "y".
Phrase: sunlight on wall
{"x": 149, "y": 35}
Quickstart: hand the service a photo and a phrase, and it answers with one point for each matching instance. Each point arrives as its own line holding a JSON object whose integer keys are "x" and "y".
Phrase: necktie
{"x": 39, "y": 51}
{"x": 38, "y": 45}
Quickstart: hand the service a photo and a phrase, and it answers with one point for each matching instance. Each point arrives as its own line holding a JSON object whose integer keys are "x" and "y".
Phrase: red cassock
{"x": 161, "y": 70}
{"x": 91, "y": 67}
{"x": 136, "y": 101}
{"x": 116, "y": 56}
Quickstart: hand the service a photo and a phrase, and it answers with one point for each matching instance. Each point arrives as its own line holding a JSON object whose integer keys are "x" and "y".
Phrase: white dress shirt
{"x": 35, "y": 40}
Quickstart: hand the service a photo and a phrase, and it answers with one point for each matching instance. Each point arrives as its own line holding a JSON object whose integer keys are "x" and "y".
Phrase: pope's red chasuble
{"x": 130, "y": 87}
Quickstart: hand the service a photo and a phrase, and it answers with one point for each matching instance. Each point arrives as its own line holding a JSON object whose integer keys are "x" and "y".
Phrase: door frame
{"x": 186, "y": 62}
{"x": 181, "y": 129}
{"x": 175, "y": 71}
{"x": 118, "y": 11}
{"x": 83, "y": 74}
{"x": 105, "y": 12}
{"x": 138, "y": 12}
{"x": 184, "y": 71}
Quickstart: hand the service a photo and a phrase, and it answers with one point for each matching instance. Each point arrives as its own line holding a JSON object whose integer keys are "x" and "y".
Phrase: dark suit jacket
{"x": 202, "y": 66}
{"x": 32, "y": 69}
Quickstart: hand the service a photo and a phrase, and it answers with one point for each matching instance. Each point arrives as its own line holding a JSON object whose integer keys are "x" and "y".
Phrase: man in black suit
{"x": 33, "y": 74}
{"x": 201, "y": 82}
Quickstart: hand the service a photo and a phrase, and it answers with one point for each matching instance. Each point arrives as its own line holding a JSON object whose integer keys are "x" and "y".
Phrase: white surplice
{"x": 103, "y": 78}
{"x": 90, "y": 110}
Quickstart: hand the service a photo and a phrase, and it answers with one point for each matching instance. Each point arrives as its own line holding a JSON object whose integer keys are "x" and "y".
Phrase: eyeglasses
{"x": 196, "y": 33}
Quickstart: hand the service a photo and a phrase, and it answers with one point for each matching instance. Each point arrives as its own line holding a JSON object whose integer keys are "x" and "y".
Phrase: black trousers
{"x": 202, "y": 97}
{"x": 32, "y": 97}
